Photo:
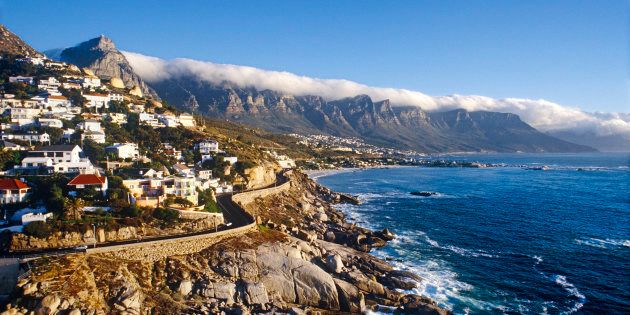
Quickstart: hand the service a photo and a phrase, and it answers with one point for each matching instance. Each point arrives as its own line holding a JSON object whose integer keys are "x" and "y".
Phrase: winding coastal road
{"x": 233, "y": 215}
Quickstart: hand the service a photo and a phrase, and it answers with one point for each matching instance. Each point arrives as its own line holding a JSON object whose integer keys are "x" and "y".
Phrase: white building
{"x": 28, "y": 137}
{"x": 90, "y": 82}
{"x": 50, "y": 85}
{"x": 27, "y": 80}
{"x": 186, "y": 120}
{"x": 50, "y": 122}
{"x": 33, "y": 217}
{"x": 124, "y": 150}
{"x": 230, "y": 159}
{"x": 96, "y": 100}
{"x": 61, "y": 158}
{"x": 117, "y": 118}
{"x": 150, "y": 120}
{"x": 12, "y": 191}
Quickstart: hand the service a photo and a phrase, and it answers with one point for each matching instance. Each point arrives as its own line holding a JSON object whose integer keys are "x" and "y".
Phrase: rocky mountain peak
{"x": 13, "y": 44}
{"x": 102, "y": 57}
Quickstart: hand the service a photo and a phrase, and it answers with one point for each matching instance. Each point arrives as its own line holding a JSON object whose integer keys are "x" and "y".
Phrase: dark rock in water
{"x": 344, "y": 198}
{"x": 424, "y": 193}
{"x": 386, "y": 234}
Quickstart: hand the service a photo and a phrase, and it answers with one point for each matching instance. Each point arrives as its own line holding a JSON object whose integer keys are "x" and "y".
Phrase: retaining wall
{"x": 250, "y": 196}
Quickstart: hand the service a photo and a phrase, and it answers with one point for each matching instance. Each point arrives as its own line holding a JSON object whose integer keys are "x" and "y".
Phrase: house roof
{"x": 180, "y": 167}
{"x": 57, "y": 97}
{"x": 56, "y": 148}
{"x": 87, "y": 179}
{"x": 12, "y": 184}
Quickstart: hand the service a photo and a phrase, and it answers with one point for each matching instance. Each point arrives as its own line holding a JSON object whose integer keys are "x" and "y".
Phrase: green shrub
{"x": 39, "y": 229}
{"x": 167, "y": 215}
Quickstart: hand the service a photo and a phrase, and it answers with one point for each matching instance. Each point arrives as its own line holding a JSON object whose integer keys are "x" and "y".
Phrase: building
{"x": 12, "y": 191}
{"x": 50, "y": 122}
{"x": 96, "y": 100}
{"x": 207, "y": 148}
{"x": 10, "y": 146}
{"x": 124, "y": 150}
{"x": 50, "y": 85}
{"x": 28, "y": 137}
{"x": 58, "y": 158}
{"x": 117, "y": 118}
{"x": 186, "y": 120}
{"x": 90, "y": 82}
{"x": 33, "y": 217}
{"x": 92, "y": 130}
{"x": 183, "y": 170}
{"x": 182, "y": 187}
{"x": 150, "y": 192}
{"x": 230, "y": 159}
{"x": 21, "y": 79}
{"x": 82, "y": 181}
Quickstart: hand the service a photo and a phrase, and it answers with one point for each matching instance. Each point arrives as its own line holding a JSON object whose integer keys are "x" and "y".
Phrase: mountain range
{"x": 376, "y": 122}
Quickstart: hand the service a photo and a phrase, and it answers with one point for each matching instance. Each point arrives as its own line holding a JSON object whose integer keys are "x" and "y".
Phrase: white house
{"x": 90, "y": 125}
{"x": 230, "y": 159}
{"x": 65, "y": 158}
{"x": 29, "y": 137}
{"x": 12, "y": 191}
{"x": 96, "y": 136}
{"x": 50, "y": 122}
{"x": 124, "y": 150}
{"x": 150, "y": 120}
{"x": 83, "y": 181}
{"x": 90, "y": 82}
{"x": 186, "y": 120}
{"x": 27, "y": 80}
{"x": 183, "y": 170}
{"x": 207, "y": 148}
{"x": 33, "y": 217}
{"x": 50, "y": 85}
{"x": 96, "y": 100}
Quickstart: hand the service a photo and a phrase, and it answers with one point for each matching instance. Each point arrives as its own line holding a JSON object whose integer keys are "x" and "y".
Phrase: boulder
{"x": 136, "y": 91}
{"x": 117, "y": 83}
{"x": 329, "y": 236}
{"x": 255, "y": 293}
{"x": 185, "y": 287}
{"x": 350, "y": 298}
{"x": 75, "y": 311}
{"x": 225, "y": 291}
{"x": 320, "y": 216}
{"x": 334, "y": 263}
{"x": 49, "y": 304}
{"x": 307, "y": 236}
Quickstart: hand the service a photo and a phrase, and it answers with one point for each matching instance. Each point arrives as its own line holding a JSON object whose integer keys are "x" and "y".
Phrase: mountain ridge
{"x": 377, "y": 122}
{"x": 13, "y": 44}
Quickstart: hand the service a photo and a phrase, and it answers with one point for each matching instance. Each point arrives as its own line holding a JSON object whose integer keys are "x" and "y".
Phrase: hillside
{"x": 12, "y": 44}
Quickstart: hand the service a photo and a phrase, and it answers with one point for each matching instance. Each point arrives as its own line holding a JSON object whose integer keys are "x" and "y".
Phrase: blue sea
{"x": 507, "y": 239}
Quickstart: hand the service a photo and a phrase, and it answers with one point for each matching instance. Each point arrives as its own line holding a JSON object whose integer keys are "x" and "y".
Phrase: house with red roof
{"x": 96, "y": 181}
{"x": 12, "y": 191}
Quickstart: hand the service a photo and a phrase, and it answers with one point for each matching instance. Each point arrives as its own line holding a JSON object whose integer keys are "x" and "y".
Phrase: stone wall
{"x": 159, "y": 249}
{"x": 250, "y": 196}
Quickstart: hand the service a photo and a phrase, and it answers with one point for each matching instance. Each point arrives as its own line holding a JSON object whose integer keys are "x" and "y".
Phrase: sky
{"x": 570, "y": 52}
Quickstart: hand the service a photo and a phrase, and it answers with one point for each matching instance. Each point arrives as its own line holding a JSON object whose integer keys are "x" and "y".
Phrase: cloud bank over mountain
{"x": 542, "y": 114}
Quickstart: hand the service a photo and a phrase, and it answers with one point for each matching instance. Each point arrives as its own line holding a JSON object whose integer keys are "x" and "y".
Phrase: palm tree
{"x": 73, "y": 207}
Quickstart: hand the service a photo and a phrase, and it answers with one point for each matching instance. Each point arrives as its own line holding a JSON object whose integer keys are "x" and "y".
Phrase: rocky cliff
{"x": 102, "y": 57}
{"x": 379, "y": 122}
{"x": 12, "y": 44}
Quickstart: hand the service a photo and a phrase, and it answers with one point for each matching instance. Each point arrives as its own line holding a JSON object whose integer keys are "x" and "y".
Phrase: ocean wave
{"x": 458, "y": 250}
{"x": 573, "y": 292}
{"x": 608, "y": 243}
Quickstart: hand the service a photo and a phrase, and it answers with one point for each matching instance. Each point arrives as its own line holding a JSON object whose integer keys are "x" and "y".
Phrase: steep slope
{"x": 12, "y": 44}
{"x": 101, "y": 56}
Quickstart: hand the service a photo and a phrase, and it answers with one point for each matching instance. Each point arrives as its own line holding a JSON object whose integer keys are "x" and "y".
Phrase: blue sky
{"x": 570, "y": 52}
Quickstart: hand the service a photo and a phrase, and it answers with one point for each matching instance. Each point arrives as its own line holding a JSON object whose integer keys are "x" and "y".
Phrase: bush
{"x": 164, "y": 214}
{"x": 39, "y": 229}
{"x": 130, "y": 211}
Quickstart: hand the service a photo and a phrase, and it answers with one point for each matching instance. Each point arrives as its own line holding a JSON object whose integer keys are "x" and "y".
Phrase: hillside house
{"x": 13, "y": 191}
{"x": 82, "y": 181}
{"x": 124, "y": 150}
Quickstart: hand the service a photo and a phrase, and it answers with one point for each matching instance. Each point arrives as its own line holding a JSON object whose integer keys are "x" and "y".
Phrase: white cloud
{"x": 542, "y": 114}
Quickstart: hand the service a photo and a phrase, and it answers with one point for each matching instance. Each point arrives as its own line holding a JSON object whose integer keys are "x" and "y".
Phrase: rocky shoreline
{"x": 305, "y": 259}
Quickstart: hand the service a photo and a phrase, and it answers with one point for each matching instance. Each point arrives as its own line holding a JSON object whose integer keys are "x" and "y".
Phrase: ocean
{"x": 507, "y": 239}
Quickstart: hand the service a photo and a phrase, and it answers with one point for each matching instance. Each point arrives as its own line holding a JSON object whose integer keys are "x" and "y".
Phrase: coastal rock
{"x": 350, "y": 298}
{"x": 320, "y": 216}
{"x": 387, "y": 235}
{"x": 225, "y": 291}
{"x": 334, "y": 263}
{"x": 49, "y": 304}
{"x": 255, "y": 293}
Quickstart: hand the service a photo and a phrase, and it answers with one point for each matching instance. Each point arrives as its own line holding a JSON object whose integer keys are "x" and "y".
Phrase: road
{"x": 232, "y": 213}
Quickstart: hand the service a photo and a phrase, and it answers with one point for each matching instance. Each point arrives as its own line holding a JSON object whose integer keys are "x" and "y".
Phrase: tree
{"x": 73, "y": 207}
{"x": 39, "y": 229}
{"x": 183, "y": 202}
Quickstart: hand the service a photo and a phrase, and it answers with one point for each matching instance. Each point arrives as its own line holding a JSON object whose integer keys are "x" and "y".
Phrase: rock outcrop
{"x": 101, "y": 56}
